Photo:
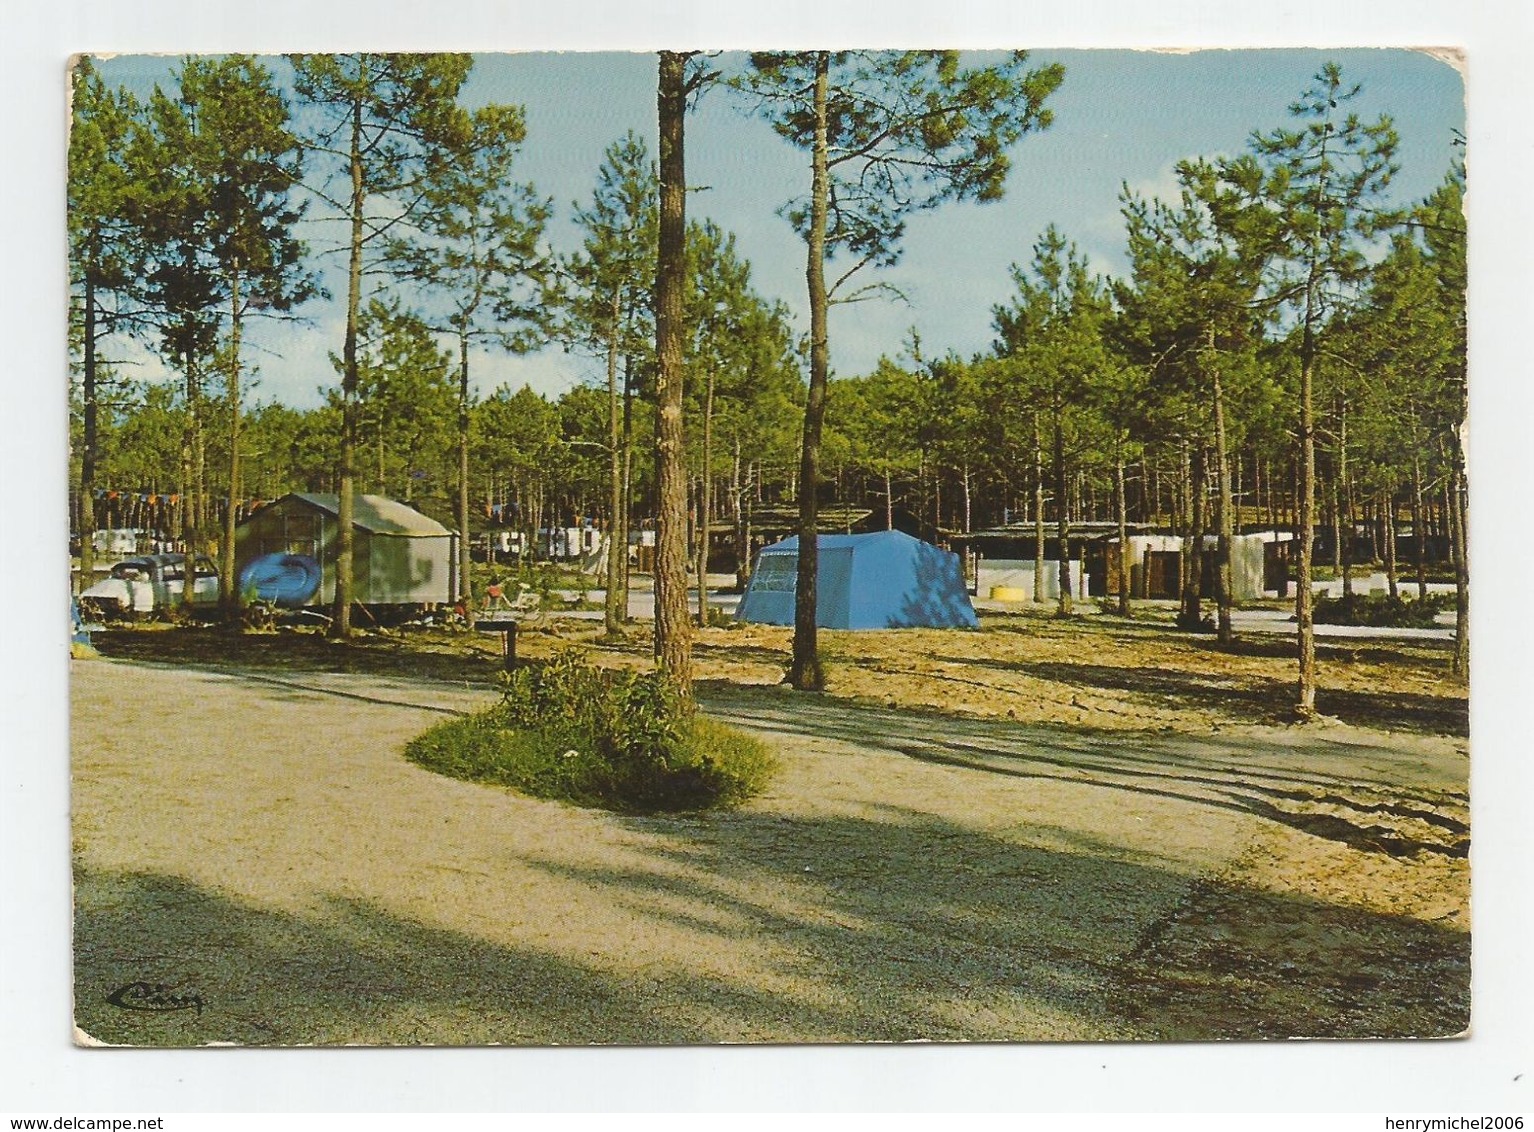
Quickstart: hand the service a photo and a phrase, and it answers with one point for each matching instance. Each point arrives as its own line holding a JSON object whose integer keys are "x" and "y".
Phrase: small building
{"x": 884, "y": 580}
{"x": 1258, "y": 564}
{"x": 399, "y": 556}
{"x": 1003, "y": 558}
{"x": 993, "y": 575}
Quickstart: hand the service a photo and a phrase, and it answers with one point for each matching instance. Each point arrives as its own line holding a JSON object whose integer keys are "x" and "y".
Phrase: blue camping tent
{"x": 886, "y": 580}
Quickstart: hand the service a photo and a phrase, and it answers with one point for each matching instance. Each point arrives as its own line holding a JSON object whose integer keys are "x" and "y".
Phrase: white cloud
{"x": 549, "y": 372}
{"x": 1162, "y": 185}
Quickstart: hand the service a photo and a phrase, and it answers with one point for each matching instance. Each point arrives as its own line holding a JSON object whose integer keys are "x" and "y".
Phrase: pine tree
{"x": 1052, "y": 335}
{"x": 888, "y": 133}
{"x": 477, "y": 255}
{"x": 219, "y": 165}
{"x": 389, "y": 120}
{"x": 105, "y": 259}
{"x": 1190, "y": 318}
{"x": 1304, "y": 202}
{"x": 608, "y": 305}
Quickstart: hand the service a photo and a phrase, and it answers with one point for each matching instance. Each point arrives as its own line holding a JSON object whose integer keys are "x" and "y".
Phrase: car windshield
{"x": 131, "y": 569}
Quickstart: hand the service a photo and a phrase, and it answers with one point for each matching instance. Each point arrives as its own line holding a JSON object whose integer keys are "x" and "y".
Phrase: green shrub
{"x": 1381, "y": 610}
{"x": 624, "y": 741}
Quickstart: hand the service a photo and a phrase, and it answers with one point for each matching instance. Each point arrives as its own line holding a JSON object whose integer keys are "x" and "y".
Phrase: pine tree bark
{"x": 1347, "y": 525}
{"x": 628, "y": 485}
{"x": 1191, "y": 614}
{"x": 673, "y": 631}
{"x": 738, "y": 511}
{"x": 1419, "y": 522}
{"x": 1038, "y": 514}
{"x": 464, "y": 594}
{"x": 1225, "y": 521}
{"x": 805, "y": 672}
{"x": 228, "y": 597}
{"x": 705, "y": 501}
{"x": 193, "y": 530}
{"x": 1459, "y": 522}
{"x": 1184, "y": 520}
{"x": 1062, "y": 518}
{"x": 1123, "y": 517}
{"x": 86, "y": 522}
{"x": 1387, "y": 504}
{"x": 1305, "y": 511}
{"x": 1334, "y": 512}
{"x": 612, "y": 611}
{"x": 341, "y": 616}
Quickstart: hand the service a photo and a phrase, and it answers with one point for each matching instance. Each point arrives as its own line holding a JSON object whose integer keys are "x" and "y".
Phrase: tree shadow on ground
{"x": 1248, "y": 698}
{"x": 348, "y": 972}
{"x": 433, "y": 655}
{"x": 1345, "y": 651}
{"x": 761, "y": 654}
{"x": 947, "y": 933}
{"x": 758, "y": 927}
{"x": 1244, "y": 776}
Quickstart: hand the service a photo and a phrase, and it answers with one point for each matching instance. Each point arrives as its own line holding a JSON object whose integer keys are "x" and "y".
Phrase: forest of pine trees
{"x": 1287, "y": 349}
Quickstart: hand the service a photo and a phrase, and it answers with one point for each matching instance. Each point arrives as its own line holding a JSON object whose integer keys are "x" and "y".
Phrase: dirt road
{"x": 255, "y": 845}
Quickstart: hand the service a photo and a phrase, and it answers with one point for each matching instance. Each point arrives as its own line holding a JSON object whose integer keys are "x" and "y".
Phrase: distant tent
{"x": 399, "y": 556}
{"x": 885, "y": 580}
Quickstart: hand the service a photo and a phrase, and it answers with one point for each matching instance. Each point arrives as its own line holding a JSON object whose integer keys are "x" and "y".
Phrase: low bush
{"x": 624, "y": 741}
{"x": 1381, "y": 610}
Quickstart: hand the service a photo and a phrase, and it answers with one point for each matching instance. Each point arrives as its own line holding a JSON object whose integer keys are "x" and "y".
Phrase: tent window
{"x": 776, "y": 573}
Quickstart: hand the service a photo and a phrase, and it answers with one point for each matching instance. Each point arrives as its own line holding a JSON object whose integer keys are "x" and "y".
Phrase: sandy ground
{"x": 255, "y": 843}
{"x": 1098, "y": 673}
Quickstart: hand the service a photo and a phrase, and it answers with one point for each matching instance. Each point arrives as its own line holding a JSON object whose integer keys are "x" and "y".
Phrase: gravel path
{"x": 258, "y": 846}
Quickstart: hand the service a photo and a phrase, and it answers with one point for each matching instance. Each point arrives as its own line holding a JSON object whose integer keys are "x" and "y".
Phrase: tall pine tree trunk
{"x": 673, "y": 632}
{"x": 1343, "y": 499}
{"x": 1459, "y": 532}
{"x": 341, "y": 616}
{"x": 612, "y": 611}
{"x": 1225, "y": 521}
{"x": 1419, "y": 522}
{"x": 805, "y": 672}
{"x": 705, "y": 501}
{"x": 1334, "y": 510}
{"x": 190, "y": 443}
{"x": 1038, "y": 514}
{"x": 228, "y": 596}
{"x": 1062, "y": 517}
{"x": 1191, "y": 614}
{"x": 1122, "y": 507}
{"x": 1387, "y": 503}
{"x": 1305, "y": 513}
{"x": 86, "y": 521}
{"x": 1184, "y": 522}
{"x": 465, "y": 587}
{"x": 628, "y": 483}
{"x": 965, "y": 484}
{"x": 738, "y": 513}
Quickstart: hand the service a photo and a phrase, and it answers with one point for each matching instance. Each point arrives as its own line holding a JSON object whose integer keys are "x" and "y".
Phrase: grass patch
{"x": 623, "y": 741}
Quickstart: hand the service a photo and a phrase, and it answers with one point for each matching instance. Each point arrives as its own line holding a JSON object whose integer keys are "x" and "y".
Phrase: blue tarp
{"x": 79, "y": 631}
{"x": 885, "y": 580}
{"x": 289, "y": 580}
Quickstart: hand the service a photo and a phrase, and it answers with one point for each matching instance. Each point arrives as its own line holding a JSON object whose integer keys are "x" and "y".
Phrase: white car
{"x": 150, "y": 583}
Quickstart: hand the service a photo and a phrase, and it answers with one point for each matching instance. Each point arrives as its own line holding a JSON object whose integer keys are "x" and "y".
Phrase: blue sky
{"x": 1120, "y": 116}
